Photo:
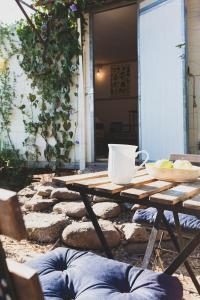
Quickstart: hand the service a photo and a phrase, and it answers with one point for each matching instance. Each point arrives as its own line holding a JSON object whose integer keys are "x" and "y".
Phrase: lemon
{"x": 164, "y": 163}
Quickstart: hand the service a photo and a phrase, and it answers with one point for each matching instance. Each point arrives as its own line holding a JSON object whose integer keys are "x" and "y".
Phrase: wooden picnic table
{"x": 147, "y": 191}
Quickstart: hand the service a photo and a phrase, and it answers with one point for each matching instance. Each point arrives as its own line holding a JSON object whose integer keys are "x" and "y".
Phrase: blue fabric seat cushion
{"x": 187, "y": 222}
{"x": 69, "y": 274}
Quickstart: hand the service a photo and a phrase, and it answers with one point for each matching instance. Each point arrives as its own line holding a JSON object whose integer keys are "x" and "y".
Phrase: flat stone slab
{"x": 65, "y": 194}
{"x": 106, "y": 210}
{"x": 83, "y": 235}
{"x": 44, "y": 191}
{"x": 38, "y": 203}
{"x": 133, "y": 232}
{"x": 42, "y": 227}
{"x": 72, "y": 209}
{"x": 28, "y": 191}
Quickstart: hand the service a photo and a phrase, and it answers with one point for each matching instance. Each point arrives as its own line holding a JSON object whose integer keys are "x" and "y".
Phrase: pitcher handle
{"x": 145, "y": 161}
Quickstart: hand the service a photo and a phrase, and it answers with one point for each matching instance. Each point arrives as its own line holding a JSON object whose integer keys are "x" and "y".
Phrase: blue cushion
{"x": 69, "y": 274}
{"x": 148, "y": 215}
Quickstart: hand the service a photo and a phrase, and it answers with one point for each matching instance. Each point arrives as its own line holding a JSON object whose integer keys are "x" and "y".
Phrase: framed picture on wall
{"x": 120, "y": 79}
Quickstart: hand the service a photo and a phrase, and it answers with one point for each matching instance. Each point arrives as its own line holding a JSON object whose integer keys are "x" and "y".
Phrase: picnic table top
{"x": 142, "y": 186}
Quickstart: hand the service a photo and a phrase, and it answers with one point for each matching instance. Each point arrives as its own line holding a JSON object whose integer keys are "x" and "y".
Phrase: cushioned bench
{"x": 148, "y": 216}
{"x": 69, "y": 274}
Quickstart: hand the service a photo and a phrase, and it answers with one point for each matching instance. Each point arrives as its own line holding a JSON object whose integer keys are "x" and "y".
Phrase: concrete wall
{"x": 194, "y": 65}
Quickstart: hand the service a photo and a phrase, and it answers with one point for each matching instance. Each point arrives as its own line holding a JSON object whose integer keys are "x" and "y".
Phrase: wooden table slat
{"x": 92, "y": 182}
{"x": 193, "y": 203}
{"x": 177, "y": 194}
{"x": 147, "y": 190}
{"x": 72, "y": 178}
{"x": 95, "y": 182}
{"x": 116, "y": 188}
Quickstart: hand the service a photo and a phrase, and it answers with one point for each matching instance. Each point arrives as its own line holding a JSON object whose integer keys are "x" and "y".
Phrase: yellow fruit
{"x": 182, "y": 164}
{"x": 164, "y": 163}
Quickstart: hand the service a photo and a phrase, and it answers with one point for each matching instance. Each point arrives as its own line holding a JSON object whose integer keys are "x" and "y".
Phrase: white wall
{"x": 18, "y": 133}
{"x": 194, "y": 65}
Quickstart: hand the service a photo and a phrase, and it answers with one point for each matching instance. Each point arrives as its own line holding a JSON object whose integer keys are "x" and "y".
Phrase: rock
{"x": 23, "y": 199}
{"x": 43, "y": 227}
{"x": 65, "y": 194}
{"x": 72, "y": 209}
{"x": 37, "y": 203}
{"x": 27, "y": 192}
{"x": 134, "y": 232}
{"x": 45, "y": 191}
{"x": 97, "y": 199}
{"x": 83, "y": 235}
{"x": 106, "y": 210}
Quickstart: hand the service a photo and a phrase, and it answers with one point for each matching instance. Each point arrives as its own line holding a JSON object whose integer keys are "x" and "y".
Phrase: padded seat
{"x": 148, "y": 216}
{"x": 69, "y": 274}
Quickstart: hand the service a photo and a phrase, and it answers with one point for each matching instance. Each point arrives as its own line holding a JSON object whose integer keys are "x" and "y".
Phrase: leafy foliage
{"x": 9, "y": 156}
{"x": 52, "y": 67}
{"x": 49, "y": 57}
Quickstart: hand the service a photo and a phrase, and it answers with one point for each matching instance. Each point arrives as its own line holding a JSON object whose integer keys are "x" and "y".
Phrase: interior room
{"x": 116, "y": 78}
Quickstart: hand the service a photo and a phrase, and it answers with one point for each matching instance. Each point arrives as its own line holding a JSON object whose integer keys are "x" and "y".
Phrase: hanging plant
{"x": 52, "y": 66}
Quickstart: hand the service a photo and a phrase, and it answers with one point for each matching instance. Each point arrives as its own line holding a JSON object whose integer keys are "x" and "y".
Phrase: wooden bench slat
{"x": 116, "y": 188}
{"x": 193, "y": 203}
{"x": 193, "y": 158}
{"x": 72, "y": 178}
{"x": 95, "y": 182}
{"x": 11, "y": 220}
{"x": 177, "y": 194}
{"x": 25, "y": 281}
{"x": 147, "y": 189}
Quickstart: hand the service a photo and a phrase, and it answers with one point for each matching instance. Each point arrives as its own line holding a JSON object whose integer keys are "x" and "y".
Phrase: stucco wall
{"x": 194, "y": 81}
{"x": 18, "y": 134}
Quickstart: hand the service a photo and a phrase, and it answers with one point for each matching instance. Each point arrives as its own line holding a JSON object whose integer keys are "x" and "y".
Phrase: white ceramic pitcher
{"x": 121, "y": 162}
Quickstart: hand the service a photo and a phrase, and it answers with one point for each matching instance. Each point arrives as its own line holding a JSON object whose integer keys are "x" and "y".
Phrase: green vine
{"x": 7, "y": 85}
{"x": 51, "y": 64}
{"x": 52, "y": 67}
{"x": 7, "y": 94}
{"x": 9, "y": 155}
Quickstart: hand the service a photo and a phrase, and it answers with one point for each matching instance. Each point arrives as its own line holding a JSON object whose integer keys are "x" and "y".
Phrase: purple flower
{"x": 73, "y": 7}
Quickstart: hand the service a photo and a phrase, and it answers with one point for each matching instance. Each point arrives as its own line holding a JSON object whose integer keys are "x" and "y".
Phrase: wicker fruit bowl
{"x": 172, "y": 174}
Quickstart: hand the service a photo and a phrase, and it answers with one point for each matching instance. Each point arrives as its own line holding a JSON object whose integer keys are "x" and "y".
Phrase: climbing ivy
{"x": 7, "y": 82}
{"x": 52, "y": 66}
{"x": 10, "y": 157}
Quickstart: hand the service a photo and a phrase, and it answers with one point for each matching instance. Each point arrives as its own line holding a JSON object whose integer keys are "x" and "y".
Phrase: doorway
{"x": 115, "y": 78}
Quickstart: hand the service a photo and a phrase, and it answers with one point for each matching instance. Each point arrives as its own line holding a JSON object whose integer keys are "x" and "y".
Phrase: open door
{"x": 162, "y": 78}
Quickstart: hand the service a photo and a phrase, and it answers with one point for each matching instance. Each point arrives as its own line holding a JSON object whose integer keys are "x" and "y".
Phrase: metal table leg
{"x": 179, "y": 245}
{"x": 96, "y": 225}
{"x": 152, "y": 239}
